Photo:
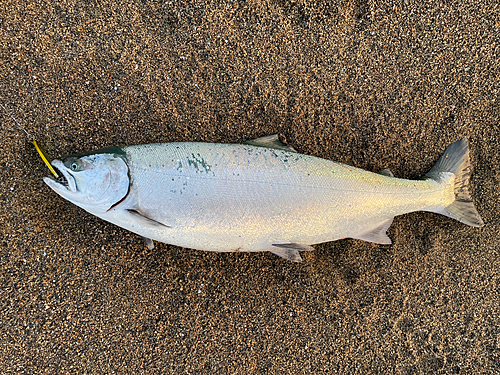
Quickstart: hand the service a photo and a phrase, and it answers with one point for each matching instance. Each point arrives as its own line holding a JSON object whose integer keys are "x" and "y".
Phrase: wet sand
{"x": 374, "y": 85}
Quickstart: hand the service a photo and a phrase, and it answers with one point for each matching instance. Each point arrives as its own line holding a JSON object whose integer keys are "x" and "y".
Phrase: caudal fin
{"x": 456, "y": 160}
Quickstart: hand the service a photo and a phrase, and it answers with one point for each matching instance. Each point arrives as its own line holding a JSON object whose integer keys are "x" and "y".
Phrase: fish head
{"x": 94, "y": 182}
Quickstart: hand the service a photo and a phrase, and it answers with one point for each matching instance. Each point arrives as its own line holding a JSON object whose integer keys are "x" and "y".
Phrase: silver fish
{"x": 259, "y": 196}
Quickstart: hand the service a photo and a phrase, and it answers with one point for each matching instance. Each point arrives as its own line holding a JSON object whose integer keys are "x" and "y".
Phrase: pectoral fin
{"x": 143, "y": 219}
{"x": 270, "y": 141}
{"x": 377, "y": 235}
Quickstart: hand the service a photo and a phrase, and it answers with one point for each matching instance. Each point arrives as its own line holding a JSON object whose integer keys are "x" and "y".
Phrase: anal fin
{"x": 290, "y": 250}
{"x": 289, "y": 254}
{"x": 294, "y": 246}
{"x": 377, "y": 235}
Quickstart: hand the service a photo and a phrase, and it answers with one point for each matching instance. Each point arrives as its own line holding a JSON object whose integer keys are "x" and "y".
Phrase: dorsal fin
{"x": 270, "y": 141}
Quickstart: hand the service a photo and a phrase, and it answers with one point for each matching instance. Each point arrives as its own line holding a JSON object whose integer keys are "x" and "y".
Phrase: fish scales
{"x": 260, "y": 188}
{"x": 232, "y": 197}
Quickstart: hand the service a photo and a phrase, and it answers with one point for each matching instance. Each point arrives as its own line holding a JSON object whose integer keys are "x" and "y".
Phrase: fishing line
{"x": 32, "y": 139}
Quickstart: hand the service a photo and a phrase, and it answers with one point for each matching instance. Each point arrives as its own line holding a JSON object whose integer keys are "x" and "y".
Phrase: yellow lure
{"x": 45, "y": 158}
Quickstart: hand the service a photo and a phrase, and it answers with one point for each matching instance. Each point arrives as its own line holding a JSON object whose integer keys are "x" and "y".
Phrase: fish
{"x": 256, "y": 196}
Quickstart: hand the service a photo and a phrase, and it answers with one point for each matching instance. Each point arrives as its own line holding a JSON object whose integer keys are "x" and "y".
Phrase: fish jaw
{"x": 67, "y": 188}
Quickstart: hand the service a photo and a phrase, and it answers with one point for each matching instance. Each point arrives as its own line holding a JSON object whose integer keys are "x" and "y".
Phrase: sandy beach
{"x": 371, "y": 84}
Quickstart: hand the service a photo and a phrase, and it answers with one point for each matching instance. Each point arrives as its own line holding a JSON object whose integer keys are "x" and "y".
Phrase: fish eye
{"x": 74, "y": 166}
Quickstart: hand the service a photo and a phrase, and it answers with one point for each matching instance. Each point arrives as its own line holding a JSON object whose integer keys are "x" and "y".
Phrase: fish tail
{"x": 456, "y": 160}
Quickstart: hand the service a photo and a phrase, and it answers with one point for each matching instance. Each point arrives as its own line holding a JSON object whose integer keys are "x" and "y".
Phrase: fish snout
{"x": 67, "y": 180}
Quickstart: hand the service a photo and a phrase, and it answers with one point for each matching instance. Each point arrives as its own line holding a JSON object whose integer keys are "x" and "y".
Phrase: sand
{"x": 372, "y": 84}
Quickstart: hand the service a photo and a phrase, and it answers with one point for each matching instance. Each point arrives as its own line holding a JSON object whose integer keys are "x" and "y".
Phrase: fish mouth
{"x": 65, "y": 181}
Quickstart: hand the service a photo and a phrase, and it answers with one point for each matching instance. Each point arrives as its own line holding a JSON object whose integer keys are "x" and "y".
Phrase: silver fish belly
{"x": 238, "y": 197}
